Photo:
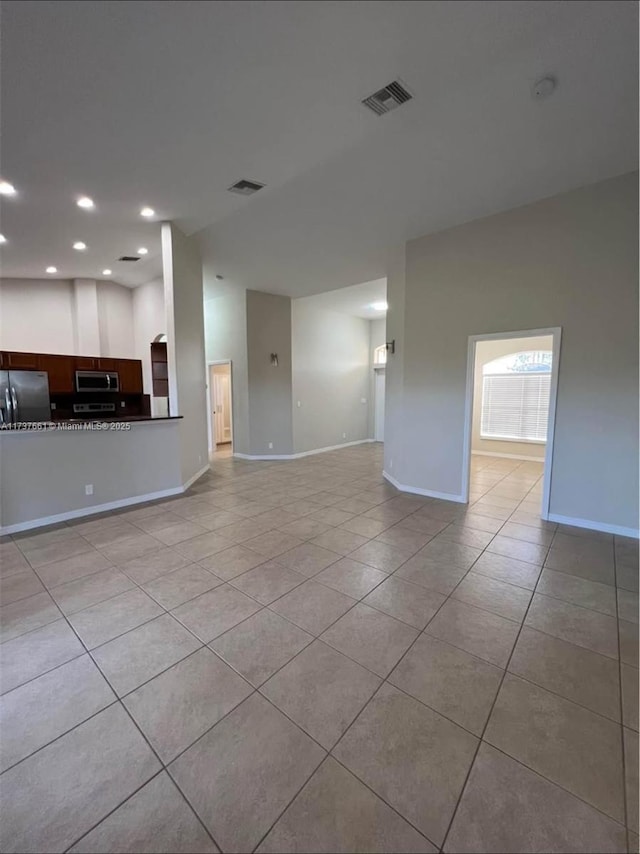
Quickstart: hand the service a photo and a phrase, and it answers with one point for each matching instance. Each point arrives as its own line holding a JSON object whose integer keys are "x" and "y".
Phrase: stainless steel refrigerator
{"x": 24, "y": 397}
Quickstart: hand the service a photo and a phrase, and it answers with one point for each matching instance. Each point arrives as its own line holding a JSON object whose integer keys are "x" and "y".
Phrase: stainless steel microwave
{"x": 97, "y": 381}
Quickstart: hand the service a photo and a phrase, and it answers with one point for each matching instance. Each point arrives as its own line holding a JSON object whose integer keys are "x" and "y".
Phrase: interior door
{"x": 378, "y": 432}
{"x": 220, "y": 407}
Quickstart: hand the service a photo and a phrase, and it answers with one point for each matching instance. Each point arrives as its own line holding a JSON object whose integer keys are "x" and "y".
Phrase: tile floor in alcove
{"x": 297, "y": 657}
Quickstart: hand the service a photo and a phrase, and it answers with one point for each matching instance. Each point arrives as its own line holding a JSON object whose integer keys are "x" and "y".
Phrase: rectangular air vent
{"x": 129, "y": 258}
{"x": 387, "y": 99}
{"x": 245, "y": 188}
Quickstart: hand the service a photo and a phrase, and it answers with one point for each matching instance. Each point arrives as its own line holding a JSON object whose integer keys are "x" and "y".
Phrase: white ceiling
{"x": 168, "y": 103}
{"x": 355, "y": 299}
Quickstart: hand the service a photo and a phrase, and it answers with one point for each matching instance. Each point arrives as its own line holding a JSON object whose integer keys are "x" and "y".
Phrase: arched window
{"x": 380, "y": 355}
{"x": 515, "y": 397}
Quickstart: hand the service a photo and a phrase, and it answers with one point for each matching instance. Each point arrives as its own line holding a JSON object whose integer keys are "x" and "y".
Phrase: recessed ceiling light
{"x": 143, "y": 250}
{"x": 379, "y": 306}
{"x": 52, "y": 269}
{"x": 3, "y": 239}
{"x": 7, "y": 189}
{"x": 79, "y": 246}
{"x": 85, "y": 202}
{"x": 147, "y": 212}
{"x": 106, "y": 272}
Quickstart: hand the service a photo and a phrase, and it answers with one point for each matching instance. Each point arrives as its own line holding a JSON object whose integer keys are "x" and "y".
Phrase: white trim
{"x": 101, "y": 508}
{"x": 508, "y": 456}
{"x": 195, "y": 477}
{"x": 620, "y": 530}
{"x": 556, "y": 334}
{"x": 429, "y": 493}
{"x": 302, "y": 453}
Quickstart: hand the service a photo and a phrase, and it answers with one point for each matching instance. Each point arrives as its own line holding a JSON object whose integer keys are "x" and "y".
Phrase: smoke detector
{"x": 544, "y": 87}
{"x": 245, "y": 188}
{"x": 394, "y": 95}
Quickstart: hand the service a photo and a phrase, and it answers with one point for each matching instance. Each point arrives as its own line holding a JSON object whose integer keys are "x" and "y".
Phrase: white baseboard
{"x": 508, "y": 456}
{"x": 101, "y": 508}
{"x": 302, "y": 453}
{"x": 428, "y": 493}
{"x": 195, "y": 477}
{"x": 620, "y": 530}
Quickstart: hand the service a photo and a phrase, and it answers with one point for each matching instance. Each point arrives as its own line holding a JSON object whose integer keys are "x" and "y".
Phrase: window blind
{"x": 515, "y": 406}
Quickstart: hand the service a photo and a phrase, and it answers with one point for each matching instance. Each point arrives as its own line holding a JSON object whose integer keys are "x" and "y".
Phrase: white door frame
{"x": 556, "y": 333}
{"x": 209, "y": 401}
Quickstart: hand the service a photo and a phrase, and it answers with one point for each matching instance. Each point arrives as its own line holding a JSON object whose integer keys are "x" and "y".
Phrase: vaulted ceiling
{"x": 168, "y": 103}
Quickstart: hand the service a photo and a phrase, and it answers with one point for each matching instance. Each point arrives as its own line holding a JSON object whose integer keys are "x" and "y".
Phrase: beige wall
{"x": 149, "y": 321}
{"x": 182, "y": 276}
{"x": 37, "y": 315}
{"x": 269, "y": 387}
{"x": 225, "y": 323}
{"x": 330, "y": 377}
{"x": 569, "y": 261}
{"x": 115, "y": 320}
{"x": 43, "y": 475}
{"x": 487, "y": 351}
{"x": 62, "y": 316}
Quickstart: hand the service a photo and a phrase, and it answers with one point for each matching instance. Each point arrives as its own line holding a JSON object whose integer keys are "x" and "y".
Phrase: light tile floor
{"x": 296, "y": 657}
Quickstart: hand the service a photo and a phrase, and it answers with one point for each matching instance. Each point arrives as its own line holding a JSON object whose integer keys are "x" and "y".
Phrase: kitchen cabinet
{"x": 130, "y": 374}
{"x": 85, "y": 363}
{"x": 20, "y": 361}
{"x": 61, "y": 369}
{"x": 61, "y": 372}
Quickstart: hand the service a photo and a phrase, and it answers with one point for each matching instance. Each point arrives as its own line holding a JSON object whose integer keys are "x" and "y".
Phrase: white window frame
{"x": 380, "y": 351}
{"x": 488, "y": 374}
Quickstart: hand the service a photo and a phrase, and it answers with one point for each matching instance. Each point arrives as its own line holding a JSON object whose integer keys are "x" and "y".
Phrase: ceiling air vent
{"x": 245, "y": 188}
{"x": 129, "y": 258}
{"x": 387, "y": 99}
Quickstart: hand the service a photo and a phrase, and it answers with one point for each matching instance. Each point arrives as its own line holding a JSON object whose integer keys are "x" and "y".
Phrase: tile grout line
{"x": 357, "y": 601}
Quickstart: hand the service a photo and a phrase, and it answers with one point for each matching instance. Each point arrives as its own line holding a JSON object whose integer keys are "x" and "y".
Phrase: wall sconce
{"x": 391, "y": 346}
{"x": 274, "y": 360}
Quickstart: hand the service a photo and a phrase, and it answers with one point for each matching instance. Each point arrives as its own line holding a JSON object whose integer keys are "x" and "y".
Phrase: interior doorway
{"x": 378, "y": 423}
{"x": 512, "y": 381}
{"x": 220, "y": 400}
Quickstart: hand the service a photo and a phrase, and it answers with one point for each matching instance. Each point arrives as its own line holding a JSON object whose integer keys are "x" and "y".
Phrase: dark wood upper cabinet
{"x": 130, "y": 374}
{"x": 107, "y": 364}
{"x": 85, "y": 363}
{"x": 61, "y": 372}
{"x": 21, "y": 361}
{"x": 159, "y": 369}
{"x": 61, "y": 369}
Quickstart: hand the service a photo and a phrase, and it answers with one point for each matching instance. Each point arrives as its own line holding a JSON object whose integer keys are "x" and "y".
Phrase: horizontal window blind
{"x": 515, "y": 406}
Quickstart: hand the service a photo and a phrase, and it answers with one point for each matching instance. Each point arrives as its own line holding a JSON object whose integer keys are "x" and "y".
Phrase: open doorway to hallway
{"x": 510, "y": 415}
{"x": 220, "y": 409}
{"x": 379, "y": 369}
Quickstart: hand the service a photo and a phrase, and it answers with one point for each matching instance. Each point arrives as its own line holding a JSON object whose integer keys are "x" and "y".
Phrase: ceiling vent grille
{"x": 387, "y": 99}
{"x": 129, "y": 258}
{"x": 245, "y": 188}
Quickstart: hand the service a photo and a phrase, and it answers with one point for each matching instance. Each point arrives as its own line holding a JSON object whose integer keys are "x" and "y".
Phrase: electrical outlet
{"x": 122, "y": 403}
{"x": 363, "y": 400}
{"x": 199, "y": 458}
{"x": 270, "y": 446}
{"x": 390, "y": 464}
{"x": 344, "y": 435}
{"x": 299, "y": 404}
{"x": 88, "y": 489}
